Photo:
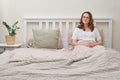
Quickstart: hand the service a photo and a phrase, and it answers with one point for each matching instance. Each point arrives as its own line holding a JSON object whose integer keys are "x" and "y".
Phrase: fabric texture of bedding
{"x": 81, "y": 63}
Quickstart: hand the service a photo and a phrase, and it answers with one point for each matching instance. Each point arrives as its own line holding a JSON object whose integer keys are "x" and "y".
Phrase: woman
{"x": 86, "y": 34}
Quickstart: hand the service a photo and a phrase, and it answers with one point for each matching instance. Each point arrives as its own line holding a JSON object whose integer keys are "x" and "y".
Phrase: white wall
{"x": 12, "y": 10}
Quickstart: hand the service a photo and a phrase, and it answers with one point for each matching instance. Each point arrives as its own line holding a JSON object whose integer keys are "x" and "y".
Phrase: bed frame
{"x": 66, "y": 26}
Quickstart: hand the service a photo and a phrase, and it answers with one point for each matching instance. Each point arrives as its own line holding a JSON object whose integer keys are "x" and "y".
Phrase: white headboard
{"x": 67, "y": 25}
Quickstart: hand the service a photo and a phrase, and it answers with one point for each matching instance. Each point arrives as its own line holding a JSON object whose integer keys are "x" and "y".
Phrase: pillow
{"x": 45, "y": 38}
{"x": 29, "y": 43}
{"x": 60, "y": 42}
{"x": 101, "y": 34}
{"x": 70, "y": 46}
{"x": 70, "y": 37}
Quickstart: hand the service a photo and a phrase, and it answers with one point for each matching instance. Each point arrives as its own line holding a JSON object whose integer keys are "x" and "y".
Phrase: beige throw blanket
{"x": 81, "y": 63}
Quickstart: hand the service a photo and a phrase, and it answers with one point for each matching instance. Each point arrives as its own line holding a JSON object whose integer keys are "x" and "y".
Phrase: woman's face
{"x": 85, "y": 18}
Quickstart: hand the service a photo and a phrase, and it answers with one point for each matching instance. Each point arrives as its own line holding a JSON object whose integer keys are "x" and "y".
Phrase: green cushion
{"x": 45, "y": 38}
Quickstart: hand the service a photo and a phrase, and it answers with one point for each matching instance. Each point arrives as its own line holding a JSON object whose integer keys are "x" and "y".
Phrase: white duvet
{"x": 81, "y": 63}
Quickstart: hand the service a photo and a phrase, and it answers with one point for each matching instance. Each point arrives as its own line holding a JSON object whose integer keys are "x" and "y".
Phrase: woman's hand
{"x": 87, "y": 44}
{"x": 91, "y": 45}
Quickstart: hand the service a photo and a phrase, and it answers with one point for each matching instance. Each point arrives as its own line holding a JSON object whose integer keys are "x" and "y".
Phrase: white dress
{"x": 81, "y": 35}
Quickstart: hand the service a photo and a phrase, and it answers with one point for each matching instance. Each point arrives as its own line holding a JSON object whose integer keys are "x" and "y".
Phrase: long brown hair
{"x": 90, "y": 24}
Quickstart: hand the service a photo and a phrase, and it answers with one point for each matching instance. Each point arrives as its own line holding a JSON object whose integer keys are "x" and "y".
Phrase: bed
{"x": 63, "y": 63}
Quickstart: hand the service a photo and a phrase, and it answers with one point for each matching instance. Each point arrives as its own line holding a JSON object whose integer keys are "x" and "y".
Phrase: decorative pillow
{"x": 60, "y": 42}
{"x": 45, "y": 38}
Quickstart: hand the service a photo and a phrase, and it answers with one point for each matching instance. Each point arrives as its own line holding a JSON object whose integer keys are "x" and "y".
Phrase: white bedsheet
{"x": 81, "y": 63}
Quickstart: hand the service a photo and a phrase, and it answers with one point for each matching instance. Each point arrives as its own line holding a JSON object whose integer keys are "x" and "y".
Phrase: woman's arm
{"x": 91, "y": 45}
{"x": 74, "y": 42}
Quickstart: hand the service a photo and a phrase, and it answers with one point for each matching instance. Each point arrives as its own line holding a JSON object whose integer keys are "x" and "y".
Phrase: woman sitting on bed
{"x": 86, "y": 34}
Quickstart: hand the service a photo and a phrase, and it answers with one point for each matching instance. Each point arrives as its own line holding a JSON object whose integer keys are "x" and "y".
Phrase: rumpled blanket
{"x": 81, "y": 63}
